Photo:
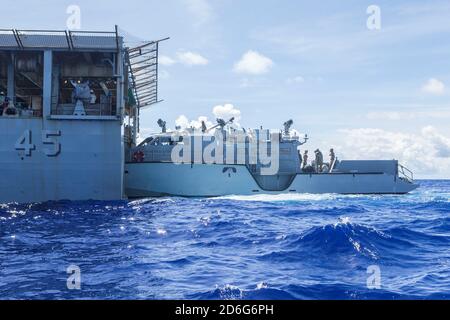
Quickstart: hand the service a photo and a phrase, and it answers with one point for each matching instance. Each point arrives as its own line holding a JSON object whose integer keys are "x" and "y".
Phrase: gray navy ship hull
{"x": 59, "y": 160}
{"x": 204, "y": 180}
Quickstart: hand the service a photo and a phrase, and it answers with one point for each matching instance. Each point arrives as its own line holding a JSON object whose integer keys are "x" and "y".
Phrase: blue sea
{"x": 236, "y": 247}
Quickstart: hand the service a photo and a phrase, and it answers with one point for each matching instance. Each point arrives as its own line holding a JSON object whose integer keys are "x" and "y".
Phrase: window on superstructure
{"x": 21, "y": 83}
{"x": 91, "y": 73}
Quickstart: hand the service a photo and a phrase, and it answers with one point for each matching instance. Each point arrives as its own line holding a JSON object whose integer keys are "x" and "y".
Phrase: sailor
{"x": 332, "y": 156}
{"x": 305, "y": 158}
{"x": 319, "y": 160}
{"x": 300, "y": 158}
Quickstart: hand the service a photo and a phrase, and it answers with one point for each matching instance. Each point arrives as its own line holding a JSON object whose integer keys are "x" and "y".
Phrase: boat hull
{"x": 60, "y": 160}
{"x": 204, "y": 180}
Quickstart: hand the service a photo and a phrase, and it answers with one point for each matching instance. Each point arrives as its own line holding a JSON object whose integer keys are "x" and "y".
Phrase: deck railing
{"x": 405, "y": 173}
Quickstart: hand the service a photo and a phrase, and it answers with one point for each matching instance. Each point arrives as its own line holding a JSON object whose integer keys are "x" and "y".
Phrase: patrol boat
{"x": 69, "y": 103}
{"x": 222, "y": 161}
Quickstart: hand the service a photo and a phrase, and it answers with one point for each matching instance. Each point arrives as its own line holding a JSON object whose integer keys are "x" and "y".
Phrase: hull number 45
{"x": 49, "y": 139}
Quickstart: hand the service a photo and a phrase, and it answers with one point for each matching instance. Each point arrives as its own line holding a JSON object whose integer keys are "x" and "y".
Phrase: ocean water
{"x": 254, "y": 247}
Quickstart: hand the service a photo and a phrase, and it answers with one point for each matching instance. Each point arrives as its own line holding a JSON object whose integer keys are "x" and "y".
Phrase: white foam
{"x": 343, "y": 221}
{"x": 161, "y": 232}
{"x": 286, "y": 197}
{"x": 262, "y": 285}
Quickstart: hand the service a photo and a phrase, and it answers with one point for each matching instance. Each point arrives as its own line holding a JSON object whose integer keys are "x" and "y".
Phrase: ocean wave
{"x": 333, "y": 291}
{"x": 264, "y": 247}
{"x": 340, "y": 240}
{"x": 230, "y": 292}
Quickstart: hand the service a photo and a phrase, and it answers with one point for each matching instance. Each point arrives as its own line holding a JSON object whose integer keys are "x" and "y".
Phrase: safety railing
{"x": 405, "y": 173}
{"x": 59, "y": 39}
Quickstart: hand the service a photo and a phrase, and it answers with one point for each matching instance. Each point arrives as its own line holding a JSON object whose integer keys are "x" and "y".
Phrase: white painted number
{"x": 24, "y": 143}
{"x": 49, "y": 137}
{"x": 48, "y": 140}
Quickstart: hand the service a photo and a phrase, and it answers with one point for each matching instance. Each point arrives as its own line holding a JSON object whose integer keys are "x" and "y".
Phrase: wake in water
{"x": 290, "y": 246}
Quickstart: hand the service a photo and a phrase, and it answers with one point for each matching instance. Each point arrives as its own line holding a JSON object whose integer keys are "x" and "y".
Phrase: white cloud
{"x": 254, "y": 63}
{"x": 441, "y": 143}
{"x": 426, "y": 153}
{"x": 201, "y": 10}
{"x": 434, "y": 86}
{"x": 187, "y": 58}
{"x": 191, "y": 58}
{"x": 226, "y": 112}
{"x": 166, "y": 61}
{"x": 294, "y": 80}
{"x": 183, "y": 122}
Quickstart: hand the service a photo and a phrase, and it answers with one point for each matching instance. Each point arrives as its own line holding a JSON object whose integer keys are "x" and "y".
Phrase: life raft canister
{"x": 138, "y": 156}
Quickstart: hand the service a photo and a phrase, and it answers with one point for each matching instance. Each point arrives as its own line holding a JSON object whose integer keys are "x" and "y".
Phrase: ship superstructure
{"x": 201, "y": 163}
{"x": 64, "y": 96}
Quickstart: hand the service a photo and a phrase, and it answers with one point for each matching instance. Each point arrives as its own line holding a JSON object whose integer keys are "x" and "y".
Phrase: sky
{"x": 369, "y": 78}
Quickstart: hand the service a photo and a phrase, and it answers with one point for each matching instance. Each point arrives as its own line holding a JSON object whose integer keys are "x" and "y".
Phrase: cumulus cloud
{"x": 166, "y": 61}
{"x": 440, "y": 143}
{"x": 426, "y": 152}
{"x": 191, "y": 58}
{"x": 183, "y": 122}
{"x": 226, "y": 112}
{"x": 253, "y": 63}
{"x": 187, "y": 58}
{"x": 434, "y": 86}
